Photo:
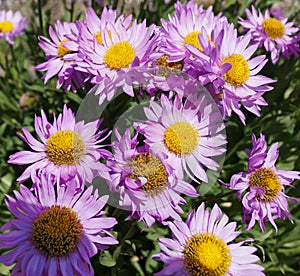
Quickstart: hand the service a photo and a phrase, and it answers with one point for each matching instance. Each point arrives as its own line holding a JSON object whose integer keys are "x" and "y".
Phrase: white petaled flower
{"x": 190, "y": 134}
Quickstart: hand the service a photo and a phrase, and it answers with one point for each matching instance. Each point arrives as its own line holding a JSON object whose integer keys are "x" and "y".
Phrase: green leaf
{"x": 5, "y": 270}
{"x": 5, "y": 184}
{"x": 106, "y": 259}
{"x": 265, "y": 236}
{"x": 74, "y": 97}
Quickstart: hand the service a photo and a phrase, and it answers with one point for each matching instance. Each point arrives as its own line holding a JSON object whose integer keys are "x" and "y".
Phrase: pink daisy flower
{"x": 120, "y": 58}
{"x": 203, "y": 246}
{"x": 11, "y": 25}
{"x": 56, "y": 230}
{"x": 91, "y": 31}
{"x": 189, "y": 134}
{"x": 61, "y": 53}
{"x": 189, "y": 5}
{"x": 68, "y": 150}
{"x": 275, "y": 34}
{"x": 264, "y": 185}
{"x": 183, "y": 29}
{"x": 145, "y": 182}
{"x": 229, "y": 71}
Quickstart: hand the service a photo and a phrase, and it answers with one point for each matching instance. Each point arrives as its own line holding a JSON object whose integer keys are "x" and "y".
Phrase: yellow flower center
{"x": 192, "y": 39}
{"x": 56, "y": 231}
{"x": 98, "y": 36}
{"x": 268, "y": 180}
{"x": 166, "y": 68}
{"x": 61, "y": 50}
{"x": 206, "y": 254}
{"x": 273, "y": 27}
{"x": 148, "y": 166}
{"x": 6, "y": 26}
{"x": 119, "y": 55}
{"x": 65, "y": 147}
{"x": 181, "y": 138}
{"x": 239, "y": 72}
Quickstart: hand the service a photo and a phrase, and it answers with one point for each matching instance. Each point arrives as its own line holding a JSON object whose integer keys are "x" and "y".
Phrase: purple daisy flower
{"x": 56, "y": 230}
{"x": 229, "y": 71}
{"x": 264, "y": 185}
{"x": 68, "y": 150}
{"x": 61, "y": 53}
{"x": 203, "y": 246}
{"x": 119, "y": 56}
{"x": 145, "y": 182}
{"x": 183, "y": 29}
{"x": 189, "y": 5}
{"x": 190, "y": 134}
{"x": 275, "y": 34}
{"x": 91, "y": 31}
{"x": 277, "y": 13}
{"x": 11, "y": 24}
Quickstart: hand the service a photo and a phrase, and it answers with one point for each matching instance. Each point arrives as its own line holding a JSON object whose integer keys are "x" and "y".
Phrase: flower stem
{"x": 40, "y": 17}
{"x": 216, "y": 197}
{"x": 115, "y": 4}
{"x": 136, "y": 96}
{"x": 72, "y": 10}
{"x": 116, "y": 213}
{"x": 127, "y": 236}
{"x": 14, "y": 61}
{"x": 93, "y": 4}
{"x": 233, "y": 150}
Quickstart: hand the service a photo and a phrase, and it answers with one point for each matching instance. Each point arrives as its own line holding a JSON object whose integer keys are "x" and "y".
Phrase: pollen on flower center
{"x": 206, "y": 254}
{"x": 239, "y": 72}
{"x": 148, "y": 166}
{"x": 65, "y": 147}
{"x": 166, "y": 68}
{"x": 268, "y": 180}
{"x": 56, "y": 231}
{"x": 119, "y": 55}
{"x": 61, "y": 50}
{"x": 181, "y": 138}
{"x": 6, "y": 26}
{"x": 162, "y": 61}
{"x": 273, "y": 27}
{"x": 99, "y": 34}
{"x": 192, "y": 39}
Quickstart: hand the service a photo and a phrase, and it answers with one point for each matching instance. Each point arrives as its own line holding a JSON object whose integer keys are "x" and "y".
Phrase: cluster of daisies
{"x": 60, "y": 223}
{"x": 112, "y": 52}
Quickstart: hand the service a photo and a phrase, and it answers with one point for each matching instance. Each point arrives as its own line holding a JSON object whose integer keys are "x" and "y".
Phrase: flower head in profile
{"x": 11, "y": 25}
{"x": 189, "y": 5}
{"x": 118, "y": 55}
{"x": 189, "y": 134}
{"x": 56, "y": 230}
{"x": 262, "y": 188}
{"x": 145, "y": 181}
{"x": 183, "y": 29}
{"x": 61, "y": 52}
{"x": 277, "y": 35}
{"x": 68, "y": 150}
{"x": 229, "y": 71}
{"x": 203, "y": 246}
